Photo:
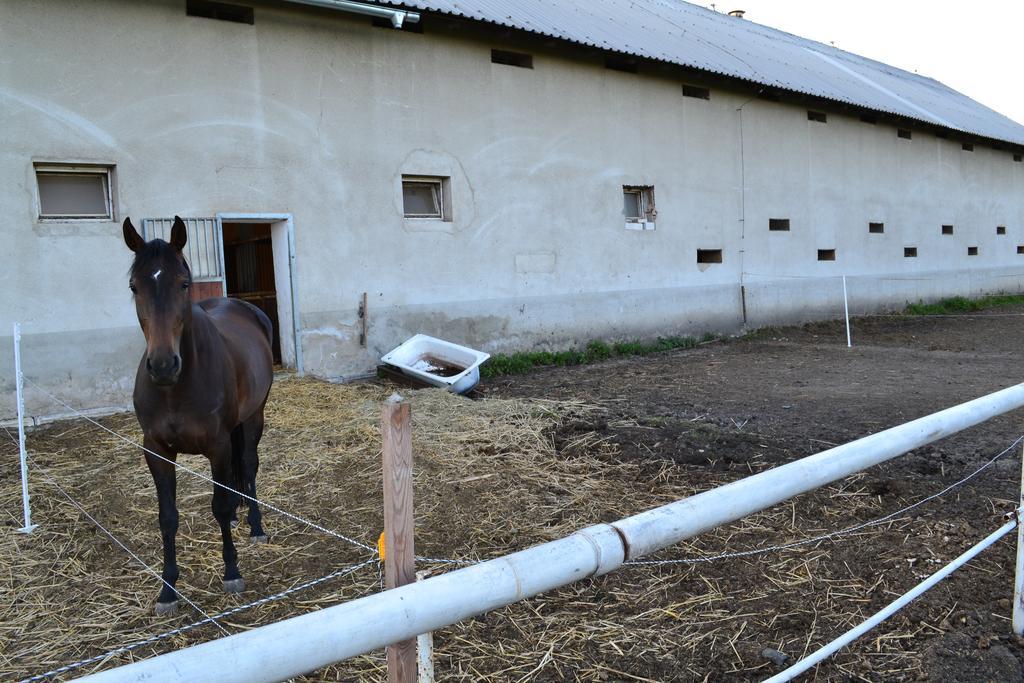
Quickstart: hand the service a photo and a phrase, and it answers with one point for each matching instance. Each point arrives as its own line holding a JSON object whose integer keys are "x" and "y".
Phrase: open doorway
{"x": 249, "y": 271}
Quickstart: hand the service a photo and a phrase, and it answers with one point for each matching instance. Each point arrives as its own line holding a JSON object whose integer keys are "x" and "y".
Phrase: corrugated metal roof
{"x": 692, "y": 36}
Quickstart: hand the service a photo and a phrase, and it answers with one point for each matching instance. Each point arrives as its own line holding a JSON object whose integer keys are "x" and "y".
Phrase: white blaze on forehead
{"x": 156, "y": 275}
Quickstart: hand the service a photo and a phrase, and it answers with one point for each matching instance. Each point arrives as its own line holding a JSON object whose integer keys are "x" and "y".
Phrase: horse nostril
{"x": 177, "y": 364}
{"x": 149, "y": 365}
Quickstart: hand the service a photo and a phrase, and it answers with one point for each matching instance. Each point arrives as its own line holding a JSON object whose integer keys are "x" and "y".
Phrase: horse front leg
{"x": 166, "y": 483}
{"x": 224, "y": 504}
{"x": 251, "y": 435}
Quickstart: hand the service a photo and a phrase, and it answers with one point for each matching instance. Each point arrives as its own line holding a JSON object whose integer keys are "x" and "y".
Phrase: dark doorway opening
{"x": 249, "y": 270}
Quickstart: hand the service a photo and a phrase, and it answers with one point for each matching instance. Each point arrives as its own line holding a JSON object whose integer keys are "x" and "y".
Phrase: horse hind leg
{"x": 237, "y": 449}
{"x": 252, "y": 432}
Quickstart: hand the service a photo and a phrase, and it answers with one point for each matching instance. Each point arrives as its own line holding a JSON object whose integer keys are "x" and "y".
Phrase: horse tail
{"x": 237, "y": 463}
{"x": 268, "y": 327}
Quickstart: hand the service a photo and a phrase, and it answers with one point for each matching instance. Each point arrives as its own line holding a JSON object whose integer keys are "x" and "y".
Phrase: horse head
{"x": 160, "y": 279}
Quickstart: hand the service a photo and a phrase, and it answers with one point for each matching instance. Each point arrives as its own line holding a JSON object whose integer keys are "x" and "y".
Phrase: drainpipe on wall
{"x": 743, "y": 217}
{"x": 398, "y": 17}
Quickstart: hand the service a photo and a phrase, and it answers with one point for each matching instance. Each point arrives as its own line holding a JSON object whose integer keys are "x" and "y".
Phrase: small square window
{"x": 826, "y": 254}
{"x": 520, "y": 59}
{"x": 876, "y": 227}
{"x": 1018, "y": 157}
{"x": 709, "y": 256}
{"x": 947, "y": 229}
{"x": 74, "y": 192}
{"x": 910, "y": 252}
{"x": 972, "y": 251}
{"x": 1000, "y": 229}
{"x": 1020, "y": 248}
{"x": 638, "y": 206}
{"x": 778, "y": 224}
{"x": 904, "y": 133}
{"x": 818, "y": 116}
{"x": 967, "y": 147}
{"x": 426, "y": 197}
{"x": 621, "y": 63}
{"x": 696, "y": 91}
{"x": 219, "y": 10}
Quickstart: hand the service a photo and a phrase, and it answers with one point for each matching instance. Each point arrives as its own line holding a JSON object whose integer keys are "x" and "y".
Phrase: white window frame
{"x": 443, "y": 200}
{"x": 648, "y": 213}
{"x": 102, "y": 170}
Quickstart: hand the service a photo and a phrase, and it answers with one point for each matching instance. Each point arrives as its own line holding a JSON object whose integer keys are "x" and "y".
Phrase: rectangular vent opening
{"x": 868, "y": 118}
{"x": 967, "y": 147}
{"x": 620, "y": 63}
{"x": 904, "y": 133}
{"x": 909, "y": 252}
{"x": 220, "y": 10}
{"x": 696, "y": 91}
{"x": 1018, "y": 157}
{"x": 769, "y": 95}
{"x": 947, "y": 229}
{"x": 941, "y": 134}
{"x": 780, "y": 224}
{"x": 1000, "y": 229}
{"x": 818, "y": 116}
{"x": 519, "y": 59}
{"x": 972, "y": 251}
{"x": 826, "y": 254}
{"x": 876, "y": 228}
{"x": 709, "y": 256}
{"x": 1020, "y": 248}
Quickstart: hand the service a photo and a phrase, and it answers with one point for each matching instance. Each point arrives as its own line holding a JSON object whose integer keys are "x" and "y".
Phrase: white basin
{"x": 438, "y": 362}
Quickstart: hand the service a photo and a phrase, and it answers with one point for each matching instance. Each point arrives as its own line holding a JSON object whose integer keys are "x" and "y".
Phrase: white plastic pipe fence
{"x": 842, "y": 641}
{"x": 310, "y": 641}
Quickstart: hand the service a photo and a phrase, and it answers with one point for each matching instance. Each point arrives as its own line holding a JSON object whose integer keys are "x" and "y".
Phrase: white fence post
{"x": 846, "y": 311}
{"x": 1018, "y": 577}
{"x": 19, "y": 383}
{"x": 424, "y": 648}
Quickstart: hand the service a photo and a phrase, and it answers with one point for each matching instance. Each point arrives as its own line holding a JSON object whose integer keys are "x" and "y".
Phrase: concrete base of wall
{"x": 94, "y": 370}
{"x": 88, "y": 369}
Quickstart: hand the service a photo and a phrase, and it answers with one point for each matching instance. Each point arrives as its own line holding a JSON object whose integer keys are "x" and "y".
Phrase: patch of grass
{"x": 524, "y": 361}
{"x": 959, "y": 304}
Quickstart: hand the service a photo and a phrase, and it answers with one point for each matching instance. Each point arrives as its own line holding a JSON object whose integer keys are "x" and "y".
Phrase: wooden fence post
{"x": 399, "y": 563}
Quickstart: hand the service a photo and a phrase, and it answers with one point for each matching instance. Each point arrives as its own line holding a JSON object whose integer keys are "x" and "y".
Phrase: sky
{"x": 976, "y": 48}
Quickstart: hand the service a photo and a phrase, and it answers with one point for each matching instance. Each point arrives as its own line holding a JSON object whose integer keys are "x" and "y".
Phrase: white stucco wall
{"x": 317, "y": 114}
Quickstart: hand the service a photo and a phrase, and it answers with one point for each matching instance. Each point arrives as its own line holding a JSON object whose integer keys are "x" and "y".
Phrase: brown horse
{"x": 200, "y": 388}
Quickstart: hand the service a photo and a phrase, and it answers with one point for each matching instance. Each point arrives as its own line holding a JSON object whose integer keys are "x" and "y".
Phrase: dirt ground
{"x": 781, "y": 394}
{"x": 573, "y": 446}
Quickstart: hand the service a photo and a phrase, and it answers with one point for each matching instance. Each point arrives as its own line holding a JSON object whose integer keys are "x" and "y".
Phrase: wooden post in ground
{"x": 399, "y": 563}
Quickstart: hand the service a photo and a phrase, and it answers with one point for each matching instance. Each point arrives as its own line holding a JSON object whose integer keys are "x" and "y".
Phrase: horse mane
{"x": 153, "y": 251}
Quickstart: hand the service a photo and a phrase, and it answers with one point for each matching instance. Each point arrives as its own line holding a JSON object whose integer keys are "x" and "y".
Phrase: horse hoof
{"x": 166, "y": 609}
{"x": 262, "y": 538}
{"x": 234, "y": 585}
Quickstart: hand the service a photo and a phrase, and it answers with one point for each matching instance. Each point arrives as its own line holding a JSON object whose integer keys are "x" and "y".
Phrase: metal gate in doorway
{"x": 204, "y": 252}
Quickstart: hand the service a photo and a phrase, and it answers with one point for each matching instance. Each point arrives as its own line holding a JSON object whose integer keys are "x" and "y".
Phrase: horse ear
{"x": 131, "y": 236}
{"x": 179, "y": 234}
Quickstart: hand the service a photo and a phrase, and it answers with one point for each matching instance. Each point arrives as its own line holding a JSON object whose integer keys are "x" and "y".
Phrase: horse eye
{"x": 131, "y": 286}
{"x": 185, "y": 285}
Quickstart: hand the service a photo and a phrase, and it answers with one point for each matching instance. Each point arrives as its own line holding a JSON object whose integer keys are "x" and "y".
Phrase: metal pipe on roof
{"x": 398, "y": 17}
